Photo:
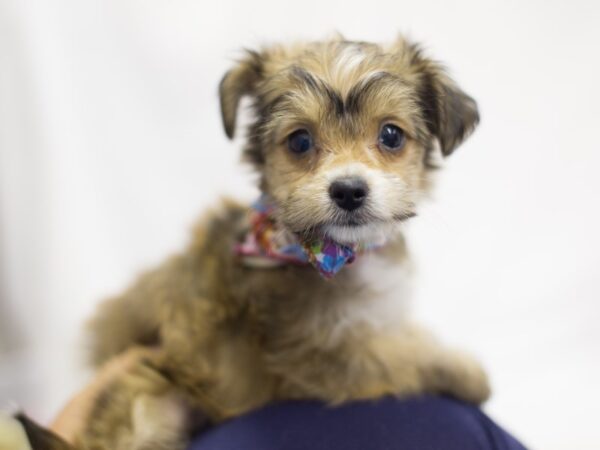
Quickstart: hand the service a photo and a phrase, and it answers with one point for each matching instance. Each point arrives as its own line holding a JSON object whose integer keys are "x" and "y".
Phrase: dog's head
{"x": 343, "y": 131}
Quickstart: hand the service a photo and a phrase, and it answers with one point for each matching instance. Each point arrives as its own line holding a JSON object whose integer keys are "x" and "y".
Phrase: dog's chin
{"x": 368, "y": 234}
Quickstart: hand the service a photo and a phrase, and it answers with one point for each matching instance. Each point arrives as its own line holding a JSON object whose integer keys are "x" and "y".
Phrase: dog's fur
{"x": 233, "y": 337}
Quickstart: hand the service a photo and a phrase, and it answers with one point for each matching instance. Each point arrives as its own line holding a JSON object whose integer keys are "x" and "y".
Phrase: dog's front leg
{"x": 438, "y": 369}
{"x": 375, "y": 364}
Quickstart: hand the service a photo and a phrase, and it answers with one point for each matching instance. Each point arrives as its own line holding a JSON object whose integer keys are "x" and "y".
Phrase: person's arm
{"x": 73, "y": 416}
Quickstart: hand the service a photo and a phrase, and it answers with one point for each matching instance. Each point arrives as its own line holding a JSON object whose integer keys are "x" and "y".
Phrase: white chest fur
{"x": 380, "y": 301}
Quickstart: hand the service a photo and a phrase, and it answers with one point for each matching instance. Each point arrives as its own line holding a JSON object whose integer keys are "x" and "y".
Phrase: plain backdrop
{"x": 111, "y": 145}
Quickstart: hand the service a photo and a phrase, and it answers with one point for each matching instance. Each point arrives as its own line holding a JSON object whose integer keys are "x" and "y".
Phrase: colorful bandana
{"x": 268, "y": 245}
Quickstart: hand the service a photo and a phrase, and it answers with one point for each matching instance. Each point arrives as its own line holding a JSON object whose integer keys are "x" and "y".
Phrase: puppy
{"x": 302, "y": 294}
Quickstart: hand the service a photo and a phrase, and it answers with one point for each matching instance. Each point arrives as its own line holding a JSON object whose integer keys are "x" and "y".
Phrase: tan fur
{"x": 232, "y": 337}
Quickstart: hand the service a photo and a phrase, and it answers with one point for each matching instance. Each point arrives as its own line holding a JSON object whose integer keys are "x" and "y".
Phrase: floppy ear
{"x": 450, "y": 113}
{"x": 238, "y": 82}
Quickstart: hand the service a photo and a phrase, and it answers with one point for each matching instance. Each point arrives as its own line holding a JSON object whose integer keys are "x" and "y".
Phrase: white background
{"x": 111, "y": 144}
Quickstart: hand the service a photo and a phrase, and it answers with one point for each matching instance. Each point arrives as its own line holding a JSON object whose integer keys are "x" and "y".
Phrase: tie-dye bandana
{"x": 268, "y": 245}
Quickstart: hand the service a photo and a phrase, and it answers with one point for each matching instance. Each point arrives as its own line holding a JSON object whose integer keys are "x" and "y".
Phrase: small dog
{"x": 301, "y": 295}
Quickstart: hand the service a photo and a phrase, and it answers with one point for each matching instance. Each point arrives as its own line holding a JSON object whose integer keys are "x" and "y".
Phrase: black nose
{"x": 349, "y": 193}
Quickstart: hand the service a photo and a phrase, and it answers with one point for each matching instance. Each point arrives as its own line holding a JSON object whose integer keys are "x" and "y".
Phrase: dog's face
{"x": 343, "y": 131}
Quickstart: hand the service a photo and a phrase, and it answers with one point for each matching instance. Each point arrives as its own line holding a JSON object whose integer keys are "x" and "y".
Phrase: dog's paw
{"x": 474, "y": 385}
{"x": 460, "y": 376}
{"x": 12, "y": 434}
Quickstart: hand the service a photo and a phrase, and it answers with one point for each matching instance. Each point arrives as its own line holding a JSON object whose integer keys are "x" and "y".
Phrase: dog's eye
{"x": 300, "y": 141}
{"x": 391, "y": 138}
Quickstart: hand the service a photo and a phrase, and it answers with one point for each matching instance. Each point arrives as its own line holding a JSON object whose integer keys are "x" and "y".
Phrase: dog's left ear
{"x": 451, "y": 114}
{"x": 238, "y": 82}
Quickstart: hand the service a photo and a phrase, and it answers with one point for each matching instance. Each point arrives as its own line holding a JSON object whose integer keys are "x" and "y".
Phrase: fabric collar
{"x": 267, "y": 244}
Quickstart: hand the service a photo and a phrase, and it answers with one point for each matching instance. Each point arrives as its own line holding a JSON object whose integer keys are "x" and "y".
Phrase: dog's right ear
{"x": 238, "y": 82}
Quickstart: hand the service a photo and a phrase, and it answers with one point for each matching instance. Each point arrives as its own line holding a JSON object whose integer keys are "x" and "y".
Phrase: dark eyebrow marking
{"x": 320, "y": 88}
{"x": 306, "y": 77}
{"x": 355, "y": 97}
{"x": 360, "y": 90}
{"x": 336, "y": 100}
